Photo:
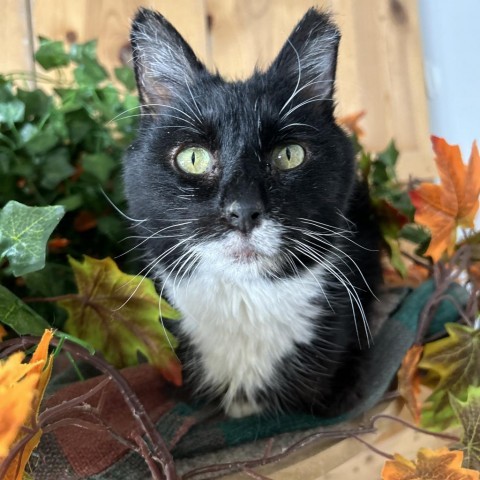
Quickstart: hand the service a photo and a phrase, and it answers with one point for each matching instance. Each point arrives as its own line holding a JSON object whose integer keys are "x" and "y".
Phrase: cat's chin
{"x": 245, "y": 255}
{"x": 243, "y": 250}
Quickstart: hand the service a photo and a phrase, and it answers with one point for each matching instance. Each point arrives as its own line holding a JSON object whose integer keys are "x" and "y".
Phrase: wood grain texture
{"x": 109, "y": 21}
{"x": 245, "y": 33}
{"x": 380, "y": 71}
{"x": 15, "y": 36}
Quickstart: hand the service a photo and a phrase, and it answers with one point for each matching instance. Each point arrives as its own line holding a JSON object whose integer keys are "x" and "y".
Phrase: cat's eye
{"x": 288, "y": 157}
{"x": 194, "y": 160}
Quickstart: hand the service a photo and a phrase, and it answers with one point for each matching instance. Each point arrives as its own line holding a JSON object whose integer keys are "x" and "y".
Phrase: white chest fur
{"x": 242, "y": 327}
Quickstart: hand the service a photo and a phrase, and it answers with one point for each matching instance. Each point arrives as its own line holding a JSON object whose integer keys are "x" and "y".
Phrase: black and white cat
{"x": 253, "y": 221}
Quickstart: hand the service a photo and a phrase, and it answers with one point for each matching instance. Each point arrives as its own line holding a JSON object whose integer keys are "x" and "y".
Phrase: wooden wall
{"x": 379, "y": 71}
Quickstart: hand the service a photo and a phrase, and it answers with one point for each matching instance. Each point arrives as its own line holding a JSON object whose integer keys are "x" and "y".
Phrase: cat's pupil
{"x": 193, "y": 158}
{"x": 288, "y": 153}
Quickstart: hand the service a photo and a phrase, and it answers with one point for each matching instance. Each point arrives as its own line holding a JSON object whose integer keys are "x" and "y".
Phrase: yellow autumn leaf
{"x": 441, "y": 464}
{"x": 22, "y": 386}
{"x": 17, "y": 389}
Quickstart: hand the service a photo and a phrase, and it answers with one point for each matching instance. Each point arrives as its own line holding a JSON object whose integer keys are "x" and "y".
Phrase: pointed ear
{"x": 308, "y": 59}
{"x": 164, "y": 63}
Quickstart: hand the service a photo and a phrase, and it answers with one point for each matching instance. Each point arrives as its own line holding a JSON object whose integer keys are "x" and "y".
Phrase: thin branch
{"x": 372, "y": 448}
{"x": 231, "y": 467}
{"x": 159, "y": 449}
{"x": 417, "y": 260}
{"x": 444, "y": 436}
{"x": 145, "y": 453}
{"x": 49, "y": 414}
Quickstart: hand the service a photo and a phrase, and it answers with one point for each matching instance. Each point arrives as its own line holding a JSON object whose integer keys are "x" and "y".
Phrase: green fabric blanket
{"x": 76, "y": 453}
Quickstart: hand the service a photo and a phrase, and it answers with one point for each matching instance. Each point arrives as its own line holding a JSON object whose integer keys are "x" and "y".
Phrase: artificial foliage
{"x": 118, "y": 314}
{"x": 61, "y": 225}
{"x": 62, "y": 135}
{"x": 429, "y": 465}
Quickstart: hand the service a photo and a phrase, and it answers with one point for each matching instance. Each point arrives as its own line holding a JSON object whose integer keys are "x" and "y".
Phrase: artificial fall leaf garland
{"x": 468, "y": 414}
{"x": 22, "y": 387}
{"x": 452, "y": 365}
{"x": 454, "y": 203}
{"x": 409, "y": 381}
{"x": 118, "y": 314}
{"x": 441, "y": 464}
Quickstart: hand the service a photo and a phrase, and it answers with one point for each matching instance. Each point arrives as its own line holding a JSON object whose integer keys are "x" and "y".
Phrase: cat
{"x": 253, "y": 221}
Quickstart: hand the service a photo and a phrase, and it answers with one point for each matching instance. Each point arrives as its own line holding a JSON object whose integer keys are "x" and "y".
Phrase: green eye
{"x": 288, "y": 157}
{"x": 194, "y": 160}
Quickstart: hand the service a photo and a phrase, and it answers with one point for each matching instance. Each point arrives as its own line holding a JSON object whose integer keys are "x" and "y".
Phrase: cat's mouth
{"x": 252, "y": 254}
{"x": 243, "y": 254}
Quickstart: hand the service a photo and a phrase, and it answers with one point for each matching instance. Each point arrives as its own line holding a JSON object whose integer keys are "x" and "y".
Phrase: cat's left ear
{"x": 308, "y": 60}
{"x": 164, "y": 63}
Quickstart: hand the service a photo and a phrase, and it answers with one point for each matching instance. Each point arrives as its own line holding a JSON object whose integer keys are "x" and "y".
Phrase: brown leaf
{"x": 409, "y": 381}
{"x": 84, "y": 221}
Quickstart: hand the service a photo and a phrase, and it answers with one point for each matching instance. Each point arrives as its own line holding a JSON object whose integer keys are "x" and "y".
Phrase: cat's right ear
{"x": 164, "y": 63}
{"x": 307, "y": 62}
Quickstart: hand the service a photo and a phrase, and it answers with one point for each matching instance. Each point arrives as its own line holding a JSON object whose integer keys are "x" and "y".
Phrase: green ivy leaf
{"x": 126, "y": 76}
{"x": 468, "y": 414}
{"x": 11, "y": 112}
{"x": 51, "y": 54}
{"x": 56, "y": 168}
{"x": 389, "y": 158}
{"x": 24, "y": 232}
{"x": 37, "y": 103}
{"x": 99, "y": 165}
{"x": 41, "y": 142}
{"x": 71, "y": 202}
{"x": 82, "y": 52}
{"x": 89, "y": 72}
{"x": 396, "y": 256}
{"x": 414, "y": 233}
{"x": 19, "y": 316}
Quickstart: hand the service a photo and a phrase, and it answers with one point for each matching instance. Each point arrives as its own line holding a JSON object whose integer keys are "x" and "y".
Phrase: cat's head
{"x": 232, "y": 174}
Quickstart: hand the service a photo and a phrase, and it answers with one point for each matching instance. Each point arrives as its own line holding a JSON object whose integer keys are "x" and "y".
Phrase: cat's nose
{"x": 244, "y": 215}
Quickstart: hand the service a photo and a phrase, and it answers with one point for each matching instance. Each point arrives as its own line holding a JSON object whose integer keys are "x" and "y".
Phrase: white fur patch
{"x": 242, "y": 323}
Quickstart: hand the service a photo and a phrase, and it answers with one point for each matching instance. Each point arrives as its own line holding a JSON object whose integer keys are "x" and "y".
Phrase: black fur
{"x": 241, "y": 123}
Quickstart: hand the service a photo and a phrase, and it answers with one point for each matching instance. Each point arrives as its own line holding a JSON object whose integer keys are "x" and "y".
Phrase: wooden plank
{"x": 245, "y": 33}
{"x": 15, "y": 36}
{"x": 109, "y": 21}
{"x": 379, "y": 67}
{"x": 409, "y": 108}
{"x": 380, "y": 71}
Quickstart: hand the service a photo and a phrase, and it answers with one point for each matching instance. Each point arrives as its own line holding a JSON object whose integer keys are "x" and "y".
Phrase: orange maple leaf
{"x": 442, "y": 208}
{"x": 3, "y": 332}
{"x": 409, "y": 381}
{"x": 22, "y": 386}
{"x": 441, "y": 464}
{"x": 351, "y": 123}
{"x": 416, "y": 274}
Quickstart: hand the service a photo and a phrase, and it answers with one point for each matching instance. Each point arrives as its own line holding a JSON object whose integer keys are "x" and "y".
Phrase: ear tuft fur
{"x": 163, "y": 61}
{"x": 309, "y": 57}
